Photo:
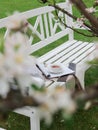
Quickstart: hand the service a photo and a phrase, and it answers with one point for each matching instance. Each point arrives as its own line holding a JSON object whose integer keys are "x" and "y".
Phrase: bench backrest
{"x": 45, "y": 26}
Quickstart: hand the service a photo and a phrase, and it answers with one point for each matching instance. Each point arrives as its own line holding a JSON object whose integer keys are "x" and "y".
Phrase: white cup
{"x": 55, "y": 68}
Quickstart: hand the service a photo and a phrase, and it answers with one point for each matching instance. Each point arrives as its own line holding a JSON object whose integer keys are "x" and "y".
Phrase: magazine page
{"x": 53, "y": 74}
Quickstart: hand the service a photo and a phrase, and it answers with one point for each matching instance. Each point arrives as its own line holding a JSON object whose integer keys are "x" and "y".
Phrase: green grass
{"x": 15, "y": 122}
{"x": 81, "y": 120}
{"x": 7, "y": 7}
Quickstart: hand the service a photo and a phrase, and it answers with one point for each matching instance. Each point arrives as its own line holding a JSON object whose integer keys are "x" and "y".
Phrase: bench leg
{"x": 34, "y": 120}
{"x": 79, "y": 72}
{"x": 81, "y": 75}
{"x": 32, "y": 113}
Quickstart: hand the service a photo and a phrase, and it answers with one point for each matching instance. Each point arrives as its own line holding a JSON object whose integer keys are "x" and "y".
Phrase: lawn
{"x": 7, "y": 7}
{"x": 81, "y": 120}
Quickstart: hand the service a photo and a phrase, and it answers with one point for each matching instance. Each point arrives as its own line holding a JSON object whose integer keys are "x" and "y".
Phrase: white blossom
{"x": 16, "y": 21}
{"x": 90, "y": 10}
{"x": 15, "y": 60}
{"x": 53, "y": 100}
{"x": 79, "y": 22}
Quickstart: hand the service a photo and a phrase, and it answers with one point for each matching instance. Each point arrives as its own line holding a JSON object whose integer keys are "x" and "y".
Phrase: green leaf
{"x": 37, "y": 88}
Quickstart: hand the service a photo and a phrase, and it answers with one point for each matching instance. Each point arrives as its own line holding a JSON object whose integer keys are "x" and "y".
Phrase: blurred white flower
{"x": 91, "y": 10}
{"x": 87, "y": 105}
{"x": 15, "y": 60}
{"x": 16, "y": 21}
{"x": 16, "y": 38}
{"x": 53, "y": 100}
{"x": 79, "y": 22}
{"x": 4, "y": 87}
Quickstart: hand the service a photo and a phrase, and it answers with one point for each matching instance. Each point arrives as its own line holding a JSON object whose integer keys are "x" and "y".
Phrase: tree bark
{"x": 82, "y": 8}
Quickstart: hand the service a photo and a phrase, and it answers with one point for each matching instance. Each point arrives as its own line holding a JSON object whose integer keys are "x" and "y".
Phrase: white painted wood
{"x": 39, "y": 23}
{"x": 66, "y": 53}
{"x": 81, "y": 74}
{"x": 63, "y": 53}
{"x": 84, "y": 55}
{"x": 69, "y": 20}
{"x": 46, "y": 25}
{"x": 33, "y": 29}
{"x": 33, "y": 114}
{"x": 77, "y": 53}
{"x": 54, "y": 23}
{"x": 51, "y": 23}
{"x": 54, "y": 52}
{"x": 47, "y": 41}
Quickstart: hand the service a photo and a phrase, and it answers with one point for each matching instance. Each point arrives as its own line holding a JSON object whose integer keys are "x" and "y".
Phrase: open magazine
{"x": 46, "y": 71}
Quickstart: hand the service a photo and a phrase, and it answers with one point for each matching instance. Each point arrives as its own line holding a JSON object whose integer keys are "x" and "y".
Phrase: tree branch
{"x": 82, "y": 8}
{"x": 92, "y": 30}
{"x": 75, "y": 30}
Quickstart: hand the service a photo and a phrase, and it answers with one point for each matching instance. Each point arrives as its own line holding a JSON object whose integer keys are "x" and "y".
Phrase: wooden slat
{"x": 55, "y": 51}
{"x": 72, "y": 53}
{"x": 54, "y": 24}
{"x": 67, "y": 51}
{"x": 86, "y": 54}
{"x": 78, "y": 53}
{"x": 47, "y": 41}
{"x": 51, "y": 23}
{"x": 63, "y": 52}
{"x": 46, "y": 25}
{"x": 42, "y": 27}
{"x": 39, "y": 23}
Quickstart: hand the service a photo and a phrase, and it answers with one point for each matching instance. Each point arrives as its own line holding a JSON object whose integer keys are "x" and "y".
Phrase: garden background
{"x": 81, "y": 120}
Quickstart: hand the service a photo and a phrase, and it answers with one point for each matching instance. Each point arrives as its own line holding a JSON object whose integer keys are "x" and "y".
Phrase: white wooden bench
{"x": 48, "y": 31}
{"x": 72, "y": 53}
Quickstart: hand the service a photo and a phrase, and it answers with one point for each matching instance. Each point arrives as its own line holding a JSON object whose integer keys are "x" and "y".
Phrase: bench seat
{"x": 69, "y": 52}
{"x": 73, "y": 54}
